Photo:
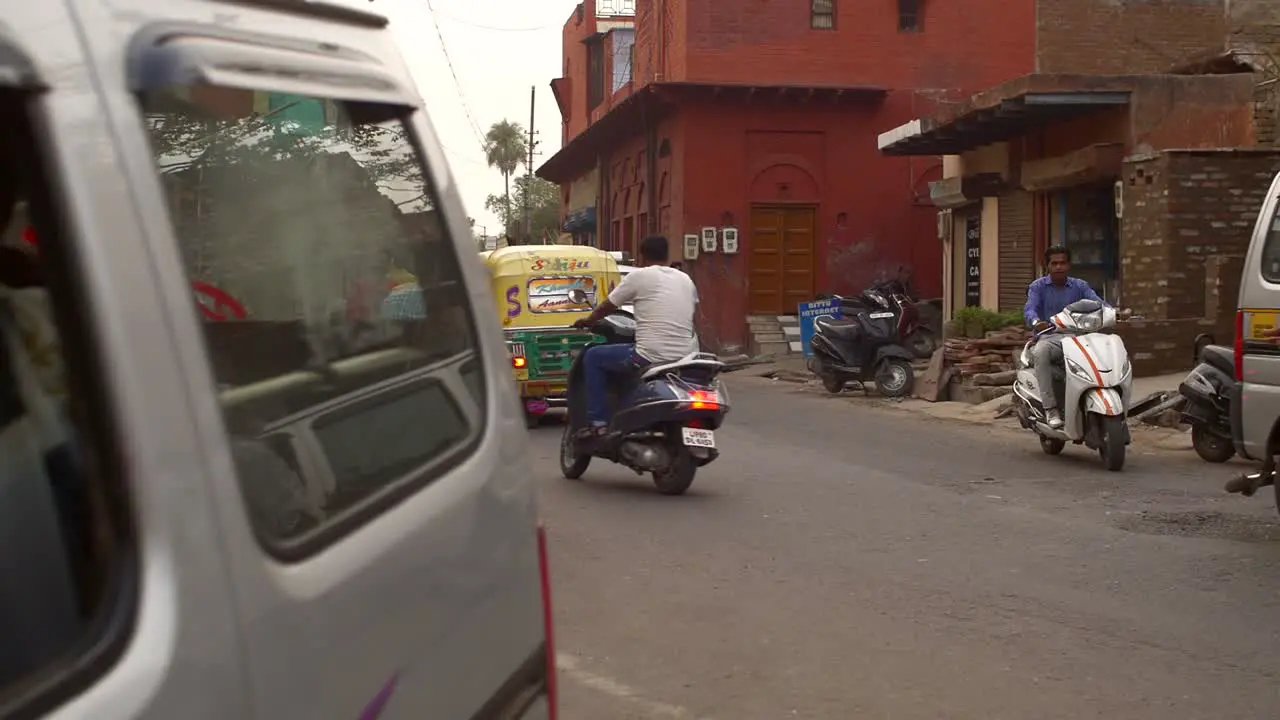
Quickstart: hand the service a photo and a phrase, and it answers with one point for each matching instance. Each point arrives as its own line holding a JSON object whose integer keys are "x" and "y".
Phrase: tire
{"x": 1113, "y": 445}
{"x": 833, "y": 382}
{"x": 572, "y": 464}
{"x": 895, "y": 378}
{"x": 1052, "y": 446}
{"x": 1210, "y": 447}
{"x": 677, "y": 478}
{"x": 922, "y": 343}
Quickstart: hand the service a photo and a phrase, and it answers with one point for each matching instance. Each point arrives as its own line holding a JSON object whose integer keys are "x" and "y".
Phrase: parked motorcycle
{"x": 1207, "y": 407}
{"x": 663, "y": 417}
{"x": 861, "y": 348}
{"x": 892, "y": 296}
{"x": 1094, "y": 384}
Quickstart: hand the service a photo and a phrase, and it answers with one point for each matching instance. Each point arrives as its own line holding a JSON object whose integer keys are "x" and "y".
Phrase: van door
{"x": 1259, "y": 311}
{"x": 380, "y": 526}
{"x": 114, "y": 599}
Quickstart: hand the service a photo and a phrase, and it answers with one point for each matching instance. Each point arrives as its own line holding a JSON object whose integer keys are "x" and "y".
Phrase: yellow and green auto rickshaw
{"x": 532, "y": 284}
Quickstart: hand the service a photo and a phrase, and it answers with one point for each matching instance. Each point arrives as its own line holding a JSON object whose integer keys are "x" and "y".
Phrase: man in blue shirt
{"x": 1046, "y": 297}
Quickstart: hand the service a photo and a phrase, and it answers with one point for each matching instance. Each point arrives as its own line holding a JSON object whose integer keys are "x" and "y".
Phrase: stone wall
{"x": 1181, "y": 208}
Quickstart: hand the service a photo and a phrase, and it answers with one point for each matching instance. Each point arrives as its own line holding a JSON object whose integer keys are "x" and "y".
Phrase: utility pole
{"x": 528, "y": 180}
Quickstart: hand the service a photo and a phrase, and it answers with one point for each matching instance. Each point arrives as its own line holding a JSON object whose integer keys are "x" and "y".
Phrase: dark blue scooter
{"x": 663, "y": 417}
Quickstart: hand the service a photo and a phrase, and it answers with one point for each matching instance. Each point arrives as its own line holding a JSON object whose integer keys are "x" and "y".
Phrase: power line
{"x": 494, "y": 28}
{"x": 475, "y": 127}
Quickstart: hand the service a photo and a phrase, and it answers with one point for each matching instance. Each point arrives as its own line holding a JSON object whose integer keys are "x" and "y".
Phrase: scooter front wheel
{"x": 895, "y": 378}
{"x": 1112, "y": 448}
{"x": 572, "y": 462}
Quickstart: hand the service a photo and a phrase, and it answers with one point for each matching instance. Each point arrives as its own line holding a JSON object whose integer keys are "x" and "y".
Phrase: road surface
{"x": 841, "y": 561}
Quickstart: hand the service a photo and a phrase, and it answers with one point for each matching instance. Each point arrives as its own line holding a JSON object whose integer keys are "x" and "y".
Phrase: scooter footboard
{"x": 1104, "y": 401}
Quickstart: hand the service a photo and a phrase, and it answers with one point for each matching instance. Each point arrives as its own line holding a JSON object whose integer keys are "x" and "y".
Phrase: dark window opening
{"x": 66, "y": 549}
{"x": 822, "y": 14}
{"x": 595, "y": 74}
{"x": 910, "y": 18}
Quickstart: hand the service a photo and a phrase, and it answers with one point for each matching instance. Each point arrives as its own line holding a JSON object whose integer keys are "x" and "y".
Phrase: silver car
{"x": 260, "y": 455}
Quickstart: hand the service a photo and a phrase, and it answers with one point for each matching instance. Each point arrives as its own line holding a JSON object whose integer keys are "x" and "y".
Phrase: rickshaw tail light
{"x": 519, "y": 362}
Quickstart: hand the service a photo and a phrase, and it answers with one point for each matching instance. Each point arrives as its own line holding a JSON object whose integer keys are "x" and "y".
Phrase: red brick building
{"x": 681, "y": 115}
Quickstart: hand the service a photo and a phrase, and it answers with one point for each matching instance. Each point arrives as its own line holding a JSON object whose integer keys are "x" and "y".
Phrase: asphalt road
{"x": 841, "y": 560}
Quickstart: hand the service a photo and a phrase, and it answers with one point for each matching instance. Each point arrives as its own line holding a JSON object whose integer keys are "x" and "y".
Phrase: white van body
{"x": 290, "y": 418}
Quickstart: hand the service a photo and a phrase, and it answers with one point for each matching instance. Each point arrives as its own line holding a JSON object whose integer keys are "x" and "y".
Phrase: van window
{"x": 1271, "y": 250}
{"x": 64, "y": 547}
{"x": 334, "y": 313}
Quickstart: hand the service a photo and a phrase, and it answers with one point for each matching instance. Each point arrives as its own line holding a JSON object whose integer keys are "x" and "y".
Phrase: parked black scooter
{"x": 663, "y": 418}
{"x": 861, "y": 348}
{"x": 1207, "y": 390}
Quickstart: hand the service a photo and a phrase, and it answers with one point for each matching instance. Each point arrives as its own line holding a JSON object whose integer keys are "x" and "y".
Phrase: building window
{"x": 336, "y": 320}
{"x": 595, "y": 74}
{"x": 909, "y": 16}
{"x": 822, "y": 14}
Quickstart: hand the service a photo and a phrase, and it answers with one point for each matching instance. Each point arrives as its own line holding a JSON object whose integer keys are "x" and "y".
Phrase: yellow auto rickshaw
{"x": 531, "y": 285}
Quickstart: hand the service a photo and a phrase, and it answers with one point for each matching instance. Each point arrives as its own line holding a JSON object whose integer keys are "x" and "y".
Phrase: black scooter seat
{"x": 1223, "y": 358}
{"x": 840, "y": 329}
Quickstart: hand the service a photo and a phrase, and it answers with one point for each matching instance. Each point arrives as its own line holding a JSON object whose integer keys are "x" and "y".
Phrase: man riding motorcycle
{"x": 664, "y": 299}
{"x": 1047, "y": 296}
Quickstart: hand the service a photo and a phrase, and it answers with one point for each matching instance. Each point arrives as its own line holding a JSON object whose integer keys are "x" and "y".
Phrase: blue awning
{"x": 580, "y": 220}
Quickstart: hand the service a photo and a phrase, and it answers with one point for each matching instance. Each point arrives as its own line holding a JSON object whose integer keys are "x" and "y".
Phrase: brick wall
{"x": 1157, "y": 347}
{"x": 1181, "y": 208}
{"x": 1120, "y": 38}
{"x": 1254, "y": 27}
{"x": 967, "y": 45}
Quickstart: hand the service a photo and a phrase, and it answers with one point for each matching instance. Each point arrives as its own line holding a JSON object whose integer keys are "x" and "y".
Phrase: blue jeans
{"x": 600, "y": 362}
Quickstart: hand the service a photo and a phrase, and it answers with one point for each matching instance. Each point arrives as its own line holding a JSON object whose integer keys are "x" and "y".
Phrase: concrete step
{"x": 791, "y": 331}
{"x": 767, "y": 325}
{"x": 772, "y": 348}
{"x": 768, "y": 337}
{"x": 796, "y": 346}
{"x": 788, "y": 320}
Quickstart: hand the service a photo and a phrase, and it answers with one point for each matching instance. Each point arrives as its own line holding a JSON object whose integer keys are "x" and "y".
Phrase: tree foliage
{"x": 543, "y": 199}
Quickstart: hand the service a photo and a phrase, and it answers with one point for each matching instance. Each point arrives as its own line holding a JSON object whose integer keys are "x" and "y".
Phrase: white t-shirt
{"x": 664, "y": 300}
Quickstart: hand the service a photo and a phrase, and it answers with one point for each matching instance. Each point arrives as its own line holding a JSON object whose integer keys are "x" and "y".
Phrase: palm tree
{"x": 506, "y": 149}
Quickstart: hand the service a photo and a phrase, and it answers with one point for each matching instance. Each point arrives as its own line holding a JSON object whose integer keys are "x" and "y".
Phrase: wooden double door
{"x": 781, "y": 258}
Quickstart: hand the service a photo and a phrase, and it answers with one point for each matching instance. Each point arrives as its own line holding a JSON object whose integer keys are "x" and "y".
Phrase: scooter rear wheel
{"x": 1052, "y": 446}
{"x": 572, "y": 463}
{"x": 679, "y": 476}
{"x": 1210, "y": 447}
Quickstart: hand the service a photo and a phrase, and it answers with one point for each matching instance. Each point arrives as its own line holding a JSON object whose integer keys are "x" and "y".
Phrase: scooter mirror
{"x": 577, "y": 296}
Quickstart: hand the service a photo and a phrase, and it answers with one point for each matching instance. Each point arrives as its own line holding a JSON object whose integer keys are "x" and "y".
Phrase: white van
{"x": 260, "y": 455}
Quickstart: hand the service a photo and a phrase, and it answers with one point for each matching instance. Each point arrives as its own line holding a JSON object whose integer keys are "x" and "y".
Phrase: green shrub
{"x": 974, "y": 318}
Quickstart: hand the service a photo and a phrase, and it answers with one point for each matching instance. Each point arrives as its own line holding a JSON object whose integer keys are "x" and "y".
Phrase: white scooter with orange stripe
{"x": 1094, "y": 384}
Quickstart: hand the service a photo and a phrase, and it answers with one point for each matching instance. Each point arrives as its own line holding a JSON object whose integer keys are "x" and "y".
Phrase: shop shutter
{"x": 1016, "y": 248}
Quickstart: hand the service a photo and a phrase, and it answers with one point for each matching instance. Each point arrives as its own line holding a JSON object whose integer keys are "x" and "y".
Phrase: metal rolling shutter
{"x": 1016, "y": 248}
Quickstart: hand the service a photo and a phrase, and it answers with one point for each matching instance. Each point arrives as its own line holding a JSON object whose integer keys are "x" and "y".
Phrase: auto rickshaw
{"x": 532, "y": 284}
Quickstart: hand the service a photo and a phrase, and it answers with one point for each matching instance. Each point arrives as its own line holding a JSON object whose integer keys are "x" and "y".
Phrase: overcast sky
{"x": 499, "y": 48}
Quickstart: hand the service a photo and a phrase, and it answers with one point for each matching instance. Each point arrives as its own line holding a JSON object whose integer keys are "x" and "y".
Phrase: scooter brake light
{"x": 519, "y": 362}
{"x": 704, "y": 400}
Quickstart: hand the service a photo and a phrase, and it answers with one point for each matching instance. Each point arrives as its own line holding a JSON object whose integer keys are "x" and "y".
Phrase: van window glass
{"x": 62, "y": 521}
{"x": 332, "y": 300}
{"x": 1271, "y": 250}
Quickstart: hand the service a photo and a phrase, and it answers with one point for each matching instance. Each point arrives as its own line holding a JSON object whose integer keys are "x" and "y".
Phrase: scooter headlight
{"x": 1089, "y": 322}
{"x": 1079, "y": 372}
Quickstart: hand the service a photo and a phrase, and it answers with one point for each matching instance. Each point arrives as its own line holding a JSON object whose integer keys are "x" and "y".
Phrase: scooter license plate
{"x": 699, "y": 438}
{"x": 880, "y": 315}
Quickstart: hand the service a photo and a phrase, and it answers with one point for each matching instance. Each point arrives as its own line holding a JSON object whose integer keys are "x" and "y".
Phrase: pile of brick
{"x": 989, "y": 361}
